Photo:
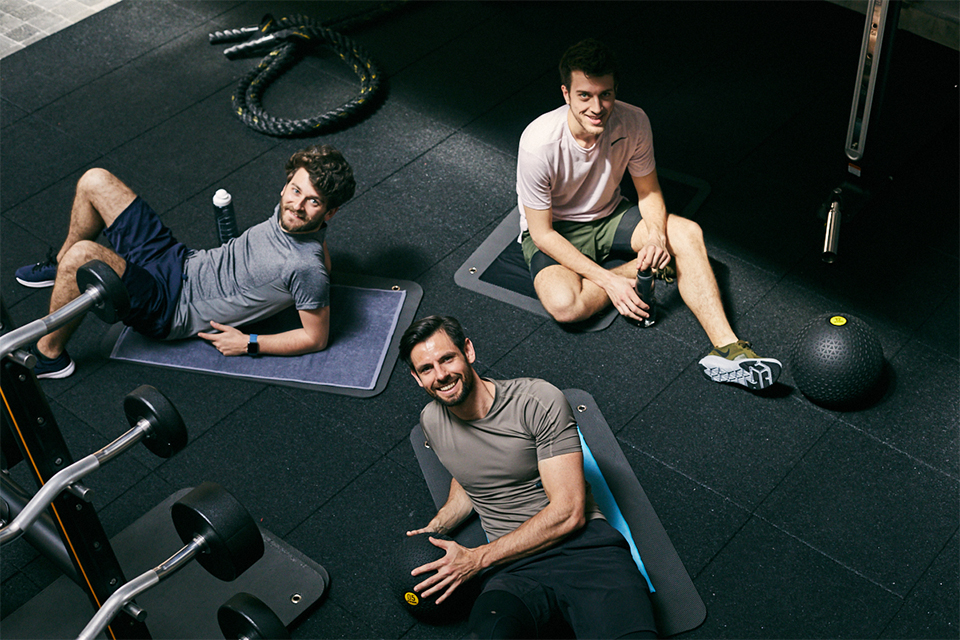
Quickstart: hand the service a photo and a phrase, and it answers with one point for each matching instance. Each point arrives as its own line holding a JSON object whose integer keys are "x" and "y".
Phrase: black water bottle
{"x": 645, "y": 282}
{"x": 224, "y": 216}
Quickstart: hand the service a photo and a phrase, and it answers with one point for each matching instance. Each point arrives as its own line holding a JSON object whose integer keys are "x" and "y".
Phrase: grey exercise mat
{"x": 677, "y": 605}
{"x": 367, "y": 317}
{"x": 497, "y": 268}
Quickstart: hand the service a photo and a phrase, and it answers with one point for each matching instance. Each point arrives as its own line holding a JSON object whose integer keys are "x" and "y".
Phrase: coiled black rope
{"x": 288, "y": 40}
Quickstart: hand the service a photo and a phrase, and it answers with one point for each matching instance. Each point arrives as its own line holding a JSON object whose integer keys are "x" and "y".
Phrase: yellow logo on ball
{"x": 838, "y": 321}
{"x": 411, "y": 598}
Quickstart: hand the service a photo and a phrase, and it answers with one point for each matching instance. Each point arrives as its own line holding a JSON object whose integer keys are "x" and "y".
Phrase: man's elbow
{"x": 313, "y": 343}
{"x": 538, "y": 235}
{"x": 319, "y": 344}
{"x": 574, "y": 521}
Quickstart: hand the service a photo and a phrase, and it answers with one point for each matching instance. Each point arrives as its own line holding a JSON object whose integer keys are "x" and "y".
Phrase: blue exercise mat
{"x": 366, "y": 319}
{"x": 677, "y": 605}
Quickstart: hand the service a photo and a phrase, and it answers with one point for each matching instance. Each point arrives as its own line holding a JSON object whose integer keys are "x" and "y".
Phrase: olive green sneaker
{"x": 668, "y": 274}
{"x": 737, "y": 363}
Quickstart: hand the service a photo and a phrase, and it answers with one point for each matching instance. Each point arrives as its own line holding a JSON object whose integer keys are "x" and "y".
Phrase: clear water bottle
{"x": 645, "y": 287}
{"x": 224, "y": 216}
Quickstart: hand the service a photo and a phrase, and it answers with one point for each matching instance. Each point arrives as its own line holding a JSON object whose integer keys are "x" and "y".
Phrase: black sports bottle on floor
{"x": 645, "y": 283}
{"x": 224, "y": 216}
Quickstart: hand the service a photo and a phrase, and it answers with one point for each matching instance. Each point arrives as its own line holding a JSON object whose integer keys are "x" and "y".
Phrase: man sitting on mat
{"x": 572, "y": 216}
{"x": 513, "y": 450}
{"x": 179, "y": 293}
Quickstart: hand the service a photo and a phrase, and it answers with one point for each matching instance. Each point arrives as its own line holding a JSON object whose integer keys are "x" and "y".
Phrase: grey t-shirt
{"x": 495, "y": 459}
{"x": 252, "y": 277}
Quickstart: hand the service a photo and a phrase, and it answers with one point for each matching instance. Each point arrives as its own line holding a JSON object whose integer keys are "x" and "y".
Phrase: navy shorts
{"x": 590, "y": 579}
{"x": 154, "y": 272}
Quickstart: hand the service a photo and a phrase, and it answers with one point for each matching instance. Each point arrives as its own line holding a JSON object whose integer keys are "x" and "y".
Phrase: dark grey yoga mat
{"x": 677, "y": 605}
{"x": 497, "y": 268}
{"x": 367, "y": 318}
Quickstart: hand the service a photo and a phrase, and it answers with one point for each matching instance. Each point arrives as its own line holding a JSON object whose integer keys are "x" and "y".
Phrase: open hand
{"x": 230, "y": 341}
{"x": 458, "y": 565}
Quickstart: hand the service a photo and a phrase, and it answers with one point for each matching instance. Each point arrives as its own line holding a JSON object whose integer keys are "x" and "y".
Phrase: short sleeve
{"x": 310, "y": 285}
{"x": 550, "y": 416}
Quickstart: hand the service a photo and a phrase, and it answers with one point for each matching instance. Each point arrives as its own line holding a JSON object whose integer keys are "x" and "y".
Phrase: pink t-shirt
{"x": 555, "y": 172}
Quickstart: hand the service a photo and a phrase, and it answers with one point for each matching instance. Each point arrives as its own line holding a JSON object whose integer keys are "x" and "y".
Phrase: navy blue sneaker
{"x": 59, "y": 367}
{"x": 39, "y": 275}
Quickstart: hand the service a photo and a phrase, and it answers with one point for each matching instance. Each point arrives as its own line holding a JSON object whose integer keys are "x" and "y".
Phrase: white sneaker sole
{"x": 753, "y": 373}
{"x": 36, "y": 285}
{"x": 62, "y": 373}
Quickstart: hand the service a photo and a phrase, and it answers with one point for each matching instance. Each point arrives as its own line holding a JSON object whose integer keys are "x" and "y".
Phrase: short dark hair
{"x": 592, "y": 57}
{"x": 330, "y": 173}
{"x": 421, "y": 330}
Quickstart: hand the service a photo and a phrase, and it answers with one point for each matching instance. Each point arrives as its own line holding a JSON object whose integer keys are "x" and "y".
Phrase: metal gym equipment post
{"x": 28, "y": 423}
{"x": 69, "y": 533}
{"x": 856, "y": 190}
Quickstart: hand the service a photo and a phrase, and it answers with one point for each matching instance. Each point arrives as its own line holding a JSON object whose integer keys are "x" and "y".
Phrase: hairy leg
{"x": 65, "y": 289}
{"x": 99, "y": 199}
{"x": 568, "y": 297}
{"x": 695, "y": 279}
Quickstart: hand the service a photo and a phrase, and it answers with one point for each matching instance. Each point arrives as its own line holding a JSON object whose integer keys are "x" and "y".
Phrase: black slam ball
{"x": 837, "y": 360}
{"x": 416, "y": 551}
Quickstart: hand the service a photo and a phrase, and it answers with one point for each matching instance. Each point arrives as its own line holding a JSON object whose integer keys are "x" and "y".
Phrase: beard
{"x": 466, "y": 388}
{"x": 305, "y": 226}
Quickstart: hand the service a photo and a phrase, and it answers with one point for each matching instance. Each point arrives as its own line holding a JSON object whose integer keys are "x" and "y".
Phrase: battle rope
{"x": 288, "y": 40}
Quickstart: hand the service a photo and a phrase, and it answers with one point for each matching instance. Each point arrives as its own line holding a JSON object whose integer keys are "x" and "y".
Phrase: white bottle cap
{"x": 221, "y": 198}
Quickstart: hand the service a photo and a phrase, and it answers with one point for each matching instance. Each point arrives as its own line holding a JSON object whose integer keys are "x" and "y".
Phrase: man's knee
{"x": 96, "y": 179}
{"x": 500, "y": 614}
{"x": 683, "y": 233}
{"x": 562, "y": 311}
{"x": 83, "y": 251}
{"x": 557, "y": 297}
{"x": 105, "y": 192}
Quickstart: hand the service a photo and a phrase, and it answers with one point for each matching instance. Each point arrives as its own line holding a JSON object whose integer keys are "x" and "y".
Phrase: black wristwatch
{"x": 253, "y": 347}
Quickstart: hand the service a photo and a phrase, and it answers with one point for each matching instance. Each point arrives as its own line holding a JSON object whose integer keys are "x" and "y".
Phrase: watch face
{"x": 253, "y": 347}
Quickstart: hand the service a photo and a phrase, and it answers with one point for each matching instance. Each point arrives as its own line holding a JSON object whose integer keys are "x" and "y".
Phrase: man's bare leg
{"x": 568, "y": 297}
{"x": 695, "y": 279}
{"x": 100, "y": 198}
{"x": 736, "y": 362}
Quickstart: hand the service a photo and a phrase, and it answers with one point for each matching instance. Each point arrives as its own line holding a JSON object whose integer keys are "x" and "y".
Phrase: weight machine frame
{"x": 29, "y": 433}
{"x": 861, "y": 182}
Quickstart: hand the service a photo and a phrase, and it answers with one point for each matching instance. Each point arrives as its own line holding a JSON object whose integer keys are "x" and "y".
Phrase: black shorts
{"x": 590, "y": 579}
{"x": 154, "y": 271}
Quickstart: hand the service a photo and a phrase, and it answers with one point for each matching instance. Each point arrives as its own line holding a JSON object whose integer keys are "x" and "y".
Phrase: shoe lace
{"x": 747, "y": 349}
{"x": 49, "y": 261}
{"x": 668, "y": 274}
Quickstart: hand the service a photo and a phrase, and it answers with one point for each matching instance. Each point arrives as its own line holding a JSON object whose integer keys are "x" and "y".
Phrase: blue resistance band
{"x": 608, "y": 504}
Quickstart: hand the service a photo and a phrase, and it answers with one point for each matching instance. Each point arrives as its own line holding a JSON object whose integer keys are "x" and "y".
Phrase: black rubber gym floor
{"x": 793, "y": 520}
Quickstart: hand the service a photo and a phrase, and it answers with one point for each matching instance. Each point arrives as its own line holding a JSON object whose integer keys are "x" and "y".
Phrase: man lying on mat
{"x": 176, "y": 292}
{"x": 572, "y": 216}
{"x": 514, "y": 453}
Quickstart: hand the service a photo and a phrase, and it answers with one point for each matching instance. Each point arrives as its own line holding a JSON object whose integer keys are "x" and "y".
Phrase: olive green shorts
{"x": 596, "y": 239}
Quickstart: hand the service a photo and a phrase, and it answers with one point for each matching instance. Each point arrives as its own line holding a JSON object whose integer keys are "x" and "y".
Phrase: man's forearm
{"x": 560, "y": 249}
{"x": 290, "y": 343}
{"x": 454, "y": 511}
{"x": 542, "y": 531}
{"x": 653, "y": 210}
